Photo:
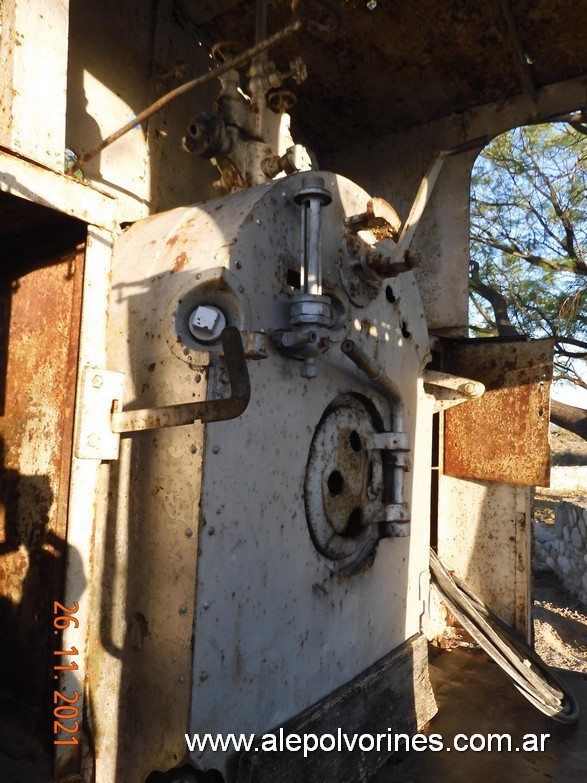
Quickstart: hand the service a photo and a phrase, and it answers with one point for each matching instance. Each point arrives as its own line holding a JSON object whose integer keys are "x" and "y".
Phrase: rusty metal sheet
{"x": 39, "y": 331}
{"x": 503, "y": 436}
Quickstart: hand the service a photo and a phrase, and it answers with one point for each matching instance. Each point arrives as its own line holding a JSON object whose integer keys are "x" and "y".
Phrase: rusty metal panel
{"x": 503, "y": 436}
{"x": 39, "y": 331}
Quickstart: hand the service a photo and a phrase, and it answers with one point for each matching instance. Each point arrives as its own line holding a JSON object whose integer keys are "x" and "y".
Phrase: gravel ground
{"x": 560, "y": 624}
{"x": 560, "y": 620}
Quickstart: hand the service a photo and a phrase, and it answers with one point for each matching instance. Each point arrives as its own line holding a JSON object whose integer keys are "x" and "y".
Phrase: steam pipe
{"x": 303, "y": 20}
{"x": 378, "y": 377}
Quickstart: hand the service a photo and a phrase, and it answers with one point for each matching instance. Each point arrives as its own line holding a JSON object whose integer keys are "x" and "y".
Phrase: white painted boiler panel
{"x": 276, "y": 624}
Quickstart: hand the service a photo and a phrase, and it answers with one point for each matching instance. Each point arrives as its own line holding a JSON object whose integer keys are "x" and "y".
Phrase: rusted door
{"x": 40, "y": 300}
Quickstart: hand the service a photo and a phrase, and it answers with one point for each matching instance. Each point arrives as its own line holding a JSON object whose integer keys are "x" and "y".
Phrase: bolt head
{"x": 206, "y": 323}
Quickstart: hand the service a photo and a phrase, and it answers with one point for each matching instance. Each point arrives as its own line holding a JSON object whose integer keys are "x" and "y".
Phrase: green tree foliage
{"x": 529, "y": 240}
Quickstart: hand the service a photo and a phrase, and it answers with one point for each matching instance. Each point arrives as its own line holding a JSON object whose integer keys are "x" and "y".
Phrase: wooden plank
{"x": 392, "y": 696}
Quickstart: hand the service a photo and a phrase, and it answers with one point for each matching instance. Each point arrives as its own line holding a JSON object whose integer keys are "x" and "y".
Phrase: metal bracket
{"x": 396, "y": 253}
{"x": 388, "y": 441}
{"x": 396, "y": 516}
{"x": 102, "y": 421}
{"x": 448, "y": 390}
{"x": 95, "y": 439}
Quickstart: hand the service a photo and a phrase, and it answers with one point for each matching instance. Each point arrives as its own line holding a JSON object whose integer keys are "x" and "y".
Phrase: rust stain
{"x": 380, "y": 218}
{"x": 502, "y": 436}
{"x": 180, "y": 262}
{"x": 384, "y": 268}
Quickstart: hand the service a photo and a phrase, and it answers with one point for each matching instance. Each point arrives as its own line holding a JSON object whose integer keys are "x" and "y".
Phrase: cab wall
{"x": 483, "y": 527}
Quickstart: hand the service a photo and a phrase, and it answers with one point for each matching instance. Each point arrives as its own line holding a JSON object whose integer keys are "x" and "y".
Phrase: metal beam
{"x": 33, "y": 182}
{"x": 520, "y": 58}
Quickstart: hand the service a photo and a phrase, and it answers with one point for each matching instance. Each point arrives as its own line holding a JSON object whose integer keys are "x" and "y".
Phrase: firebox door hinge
{"x": 446, "y": 389}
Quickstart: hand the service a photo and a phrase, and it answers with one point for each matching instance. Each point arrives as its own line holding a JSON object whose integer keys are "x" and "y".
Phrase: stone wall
{"x": 563, "y": 546}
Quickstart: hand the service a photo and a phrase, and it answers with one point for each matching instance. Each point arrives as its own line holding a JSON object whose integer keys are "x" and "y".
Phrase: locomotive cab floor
{"x": 474, "y": 696}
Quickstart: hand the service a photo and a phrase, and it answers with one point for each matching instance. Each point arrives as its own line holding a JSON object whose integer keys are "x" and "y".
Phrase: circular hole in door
{"x": 335, "y": 483}
{"x": 355, "y": 440}
{"x": 354, "y": 526}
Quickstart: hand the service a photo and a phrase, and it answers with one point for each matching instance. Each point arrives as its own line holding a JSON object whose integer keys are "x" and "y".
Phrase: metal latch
{"x": 102, "y": 421}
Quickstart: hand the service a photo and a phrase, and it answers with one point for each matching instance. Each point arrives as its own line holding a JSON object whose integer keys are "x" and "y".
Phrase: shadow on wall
{"x": 31, "y": 556}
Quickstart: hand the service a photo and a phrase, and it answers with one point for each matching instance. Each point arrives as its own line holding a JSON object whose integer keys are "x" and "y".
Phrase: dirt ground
{"x": 560, "y": 620}
{"x": 567, "y": 448}
{"x": 560, "y": 624}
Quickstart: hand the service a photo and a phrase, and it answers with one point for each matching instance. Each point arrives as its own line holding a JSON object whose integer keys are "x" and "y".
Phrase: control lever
{"x": 206, "y": 410}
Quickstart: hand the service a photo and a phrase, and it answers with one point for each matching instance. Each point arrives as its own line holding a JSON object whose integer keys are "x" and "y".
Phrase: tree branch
{"x": 505, "y": 327}
{"x": 531, "y": 258}
{"x": 569, "y": 418}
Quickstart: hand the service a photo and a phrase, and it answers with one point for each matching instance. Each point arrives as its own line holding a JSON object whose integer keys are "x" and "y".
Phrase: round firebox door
{"x": 349, "y": 483}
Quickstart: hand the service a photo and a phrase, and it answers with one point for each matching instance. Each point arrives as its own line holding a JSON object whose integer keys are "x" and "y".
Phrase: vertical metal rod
{"x": 261, "y": 22}
{"x": 314, "y": 256}
{"x": 303, "y": 252}
{"x": 311, "y": 198}
{"x": 256, "y": 83}
{"x": 398, "y": 485}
